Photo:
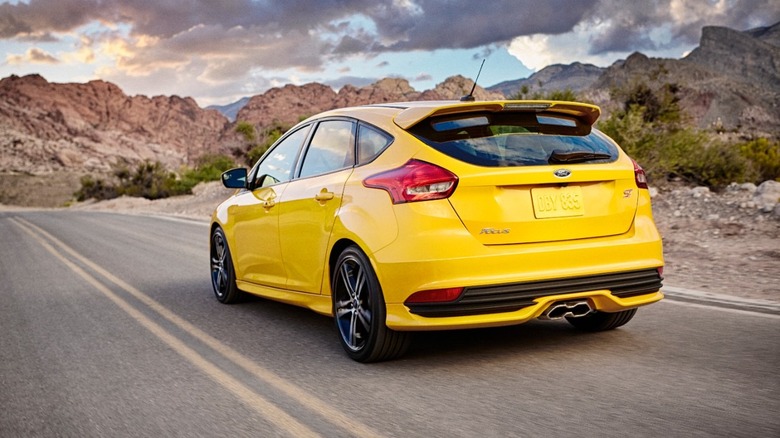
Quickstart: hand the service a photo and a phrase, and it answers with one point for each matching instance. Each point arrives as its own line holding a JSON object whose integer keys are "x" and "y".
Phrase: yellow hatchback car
{"x": 403, "y": 217}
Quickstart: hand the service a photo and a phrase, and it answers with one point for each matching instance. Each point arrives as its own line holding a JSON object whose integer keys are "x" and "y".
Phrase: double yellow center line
{"x": 250, "y": 397}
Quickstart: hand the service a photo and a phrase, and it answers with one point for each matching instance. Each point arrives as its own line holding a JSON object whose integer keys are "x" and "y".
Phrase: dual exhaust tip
{"x": 573, "y": 309}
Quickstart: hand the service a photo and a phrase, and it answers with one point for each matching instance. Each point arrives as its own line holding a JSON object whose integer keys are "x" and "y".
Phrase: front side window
{"x": 277, "y": 166}
{"x": 332, "y": 148}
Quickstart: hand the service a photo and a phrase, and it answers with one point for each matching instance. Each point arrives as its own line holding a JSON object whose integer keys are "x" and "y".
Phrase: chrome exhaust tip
{"x": 574, "y": 309}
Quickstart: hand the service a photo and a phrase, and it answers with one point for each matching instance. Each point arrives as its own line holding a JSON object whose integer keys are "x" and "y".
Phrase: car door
{"x": 257, "y": 244}
{"x": 309, "y": 204}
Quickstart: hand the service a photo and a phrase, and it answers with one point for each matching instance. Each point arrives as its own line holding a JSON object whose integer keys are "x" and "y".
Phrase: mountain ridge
{"x": 731, "y": 82}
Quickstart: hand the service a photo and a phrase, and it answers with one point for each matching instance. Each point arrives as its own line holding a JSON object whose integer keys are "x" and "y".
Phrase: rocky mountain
{"x": 730, "y": 82}
{"x": 47, "y": 127}
{"x": 576, "y": 77}
{"x": 752, "y": 56}
{"x": 288, "y": 104}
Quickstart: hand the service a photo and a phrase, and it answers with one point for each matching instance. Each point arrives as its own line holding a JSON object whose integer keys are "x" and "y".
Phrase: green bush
{"x": 151, "y": 180}
{"x": 208, "y": 168}
{"x": 763, "y": 159}
{"x": 693, "y": 158}
{"x": 92, "y": 188}
{"x": 667, "y": 151}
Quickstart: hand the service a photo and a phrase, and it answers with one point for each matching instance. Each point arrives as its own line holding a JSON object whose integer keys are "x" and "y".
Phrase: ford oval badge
{"x": 562, "y": 173}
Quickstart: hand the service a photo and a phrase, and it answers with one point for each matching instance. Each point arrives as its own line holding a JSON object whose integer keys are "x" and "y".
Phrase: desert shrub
{"x": 207, "y": 168}
{"x": 693, "y": 158}
{"x": 667, "y": 151}
{"x": 94, "y": 188}
{"x": 763, "y": 158}
{"x": 151, "y": 180}
{"x": 660, "y": 106}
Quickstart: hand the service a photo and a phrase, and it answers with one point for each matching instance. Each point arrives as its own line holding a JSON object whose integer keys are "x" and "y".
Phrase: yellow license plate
{"x": 557, "y": 202}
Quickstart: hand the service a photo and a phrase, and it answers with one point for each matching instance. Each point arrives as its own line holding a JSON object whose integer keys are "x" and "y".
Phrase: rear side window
{"x": 515, "y": 139}
{"x": 371, "y": 143}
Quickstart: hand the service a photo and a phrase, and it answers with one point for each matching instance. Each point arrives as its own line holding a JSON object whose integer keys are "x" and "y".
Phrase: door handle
{"x": 324, "y": 195}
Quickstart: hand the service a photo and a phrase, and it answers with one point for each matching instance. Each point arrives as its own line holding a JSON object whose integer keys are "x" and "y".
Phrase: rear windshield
{"x": 515, "y": 139}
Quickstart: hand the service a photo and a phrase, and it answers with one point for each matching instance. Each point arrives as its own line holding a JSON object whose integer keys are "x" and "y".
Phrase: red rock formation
{"x": 90, "y": 127}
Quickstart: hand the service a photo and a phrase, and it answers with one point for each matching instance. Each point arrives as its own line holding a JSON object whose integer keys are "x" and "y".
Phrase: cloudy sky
{"x": 220, "y": 50}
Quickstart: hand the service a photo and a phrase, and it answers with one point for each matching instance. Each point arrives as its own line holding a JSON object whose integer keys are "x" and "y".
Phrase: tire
{"x": 223, "y": 276}
{"x": 359, "y": 311}
{"x": 601, "y": 321}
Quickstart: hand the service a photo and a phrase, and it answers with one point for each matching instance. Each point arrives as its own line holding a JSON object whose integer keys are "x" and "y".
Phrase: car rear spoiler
{"x": 585, "y": 114}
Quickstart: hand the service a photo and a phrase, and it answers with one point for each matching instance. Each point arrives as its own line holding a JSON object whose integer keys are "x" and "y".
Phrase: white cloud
{"x": 32, "y": 56}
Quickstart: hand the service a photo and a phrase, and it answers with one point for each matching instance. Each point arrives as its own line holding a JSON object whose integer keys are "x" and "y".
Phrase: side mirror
{"x": 234, "y": 178}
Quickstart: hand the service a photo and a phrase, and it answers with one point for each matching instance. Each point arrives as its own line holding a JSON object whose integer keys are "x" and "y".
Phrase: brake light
{"x": 414, "y": 181}
{"x": 639, "y": 175}
{"x": 435, "y": 296}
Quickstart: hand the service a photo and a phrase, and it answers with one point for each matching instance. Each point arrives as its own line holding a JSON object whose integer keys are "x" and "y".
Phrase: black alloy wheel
{"x": 359, "y": 311}
{"x": 223, "y": 276}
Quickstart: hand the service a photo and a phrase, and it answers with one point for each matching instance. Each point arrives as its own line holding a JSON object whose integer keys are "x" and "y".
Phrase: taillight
{"x": 639, "y": 175}
{"x": 435, "y": 296}
{"x": 414, "y": 181}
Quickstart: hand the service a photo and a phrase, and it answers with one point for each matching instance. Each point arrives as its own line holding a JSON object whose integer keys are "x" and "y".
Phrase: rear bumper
{"x": 517, "y": 296}
{"x": 400, "y": 318}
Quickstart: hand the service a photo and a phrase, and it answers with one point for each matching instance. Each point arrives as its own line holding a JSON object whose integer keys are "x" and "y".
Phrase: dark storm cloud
{"x": 439, "y": 24}
{"x": 400, "y": 25}
{"x": 631, "y": 28}
{"x": 306, "y": 34}
{"x": 45, "y": 16}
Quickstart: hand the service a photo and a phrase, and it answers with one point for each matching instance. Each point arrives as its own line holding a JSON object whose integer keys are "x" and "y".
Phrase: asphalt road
{"x": 109, "y": 328}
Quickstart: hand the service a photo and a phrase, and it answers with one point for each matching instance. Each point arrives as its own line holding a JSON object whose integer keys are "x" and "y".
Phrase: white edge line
{"x": 678, "y": 295}
{"x": 721, "y": 308}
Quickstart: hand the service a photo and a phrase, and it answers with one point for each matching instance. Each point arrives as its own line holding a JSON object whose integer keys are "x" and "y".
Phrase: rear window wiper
{"x": 558, "y": 157}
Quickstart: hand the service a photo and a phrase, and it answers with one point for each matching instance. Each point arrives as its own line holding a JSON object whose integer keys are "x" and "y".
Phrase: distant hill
{"x": 230, "y": 110}
{"x": 731, "y": 80}
{"x": 576, "y": 77}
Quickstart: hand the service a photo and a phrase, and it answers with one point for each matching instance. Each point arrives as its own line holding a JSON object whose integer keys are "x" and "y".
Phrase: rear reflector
{"x": 414, "y": 181}
{"x": 435, "y": 296}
